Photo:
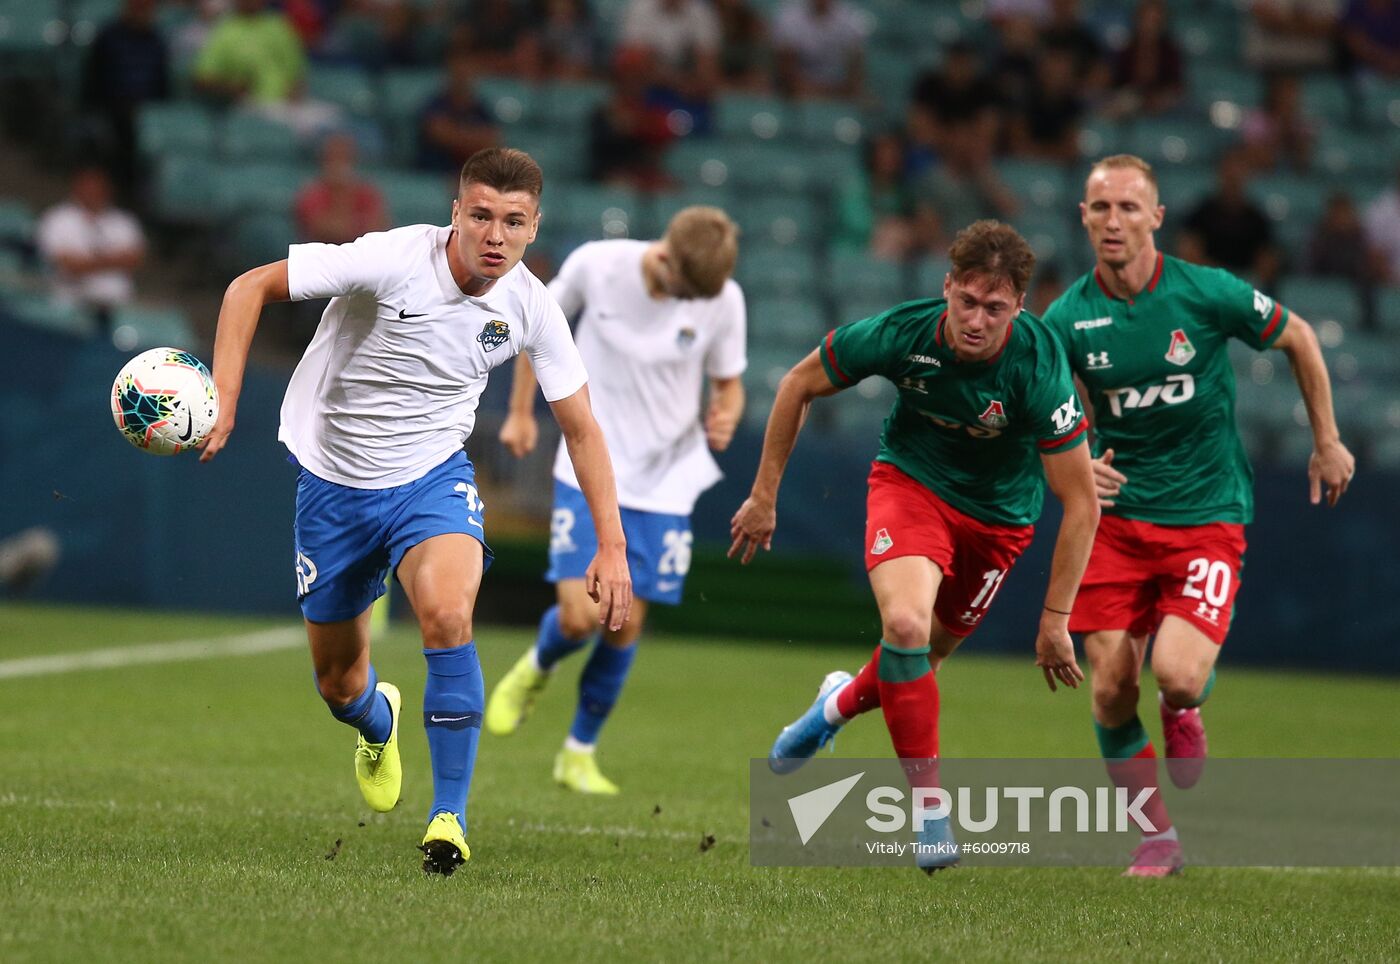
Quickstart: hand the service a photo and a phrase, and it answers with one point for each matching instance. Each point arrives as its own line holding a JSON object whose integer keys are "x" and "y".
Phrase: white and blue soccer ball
{"x": 164, "y": 401}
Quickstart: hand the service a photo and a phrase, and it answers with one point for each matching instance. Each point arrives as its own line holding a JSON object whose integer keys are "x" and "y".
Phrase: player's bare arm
{"x": 1071, "y": 478}
{"x": 238, "y": 319}
{"x": 725, "y": 410}
{"x": 1331, "y": 464}
{"x": 607, "y": 580}
{"x": 1108, "y": 481}
{"x": 521, "y": 432}
{"x": 753, "y": 525}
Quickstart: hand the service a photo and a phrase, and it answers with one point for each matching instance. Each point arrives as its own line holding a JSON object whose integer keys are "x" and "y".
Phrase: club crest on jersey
{"x": 883, "y": 543}
{"x": 1180, "y": 351}
{"x": 685, "y": 338}
{"x": 994, "y": 416}
{"x": 494, "y": 334}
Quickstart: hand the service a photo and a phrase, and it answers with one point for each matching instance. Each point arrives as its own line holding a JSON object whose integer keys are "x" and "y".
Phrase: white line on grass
{"x": 116, "y": 657}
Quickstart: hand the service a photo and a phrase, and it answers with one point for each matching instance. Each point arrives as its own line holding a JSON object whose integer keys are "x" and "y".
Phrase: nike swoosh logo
{"x": 188, "y": 433}
{"x": 404, "y": 315}
{"x": 447, "y": 719}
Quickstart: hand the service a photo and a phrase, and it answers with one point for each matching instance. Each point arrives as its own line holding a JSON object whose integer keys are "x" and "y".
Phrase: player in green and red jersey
{"x": 986, "y": 414}
{"x": 1146, "y": 335}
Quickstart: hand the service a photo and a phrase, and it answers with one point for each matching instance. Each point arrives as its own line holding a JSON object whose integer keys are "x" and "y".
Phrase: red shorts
{"x": 903, "y": 518}
{"x": 1140, "y": 572}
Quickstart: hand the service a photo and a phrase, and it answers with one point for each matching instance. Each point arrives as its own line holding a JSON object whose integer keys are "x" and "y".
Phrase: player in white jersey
{"x": 376, "y": 415}
{"x": 655, "y": 321}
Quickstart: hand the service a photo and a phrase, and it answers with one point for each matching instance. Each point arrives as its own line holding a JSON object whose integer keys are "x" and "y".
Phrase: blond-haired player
{"x": 655, "y": 321}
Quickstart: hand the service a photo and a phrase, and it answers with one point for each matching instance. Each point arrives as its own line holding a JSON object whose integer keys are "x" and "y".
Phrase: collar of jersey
{"x": 1151, "y": 282}
{"x": 949, "y": 353}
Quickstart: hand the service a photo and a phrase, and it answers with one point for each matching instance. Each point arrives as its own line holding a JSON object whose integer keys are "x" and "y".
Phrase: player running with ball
{"x": 376, "y": 415}
{"x": 656, "y": 321}
{"x": 986, "y": 403}
{"x": 1147, "y": 335}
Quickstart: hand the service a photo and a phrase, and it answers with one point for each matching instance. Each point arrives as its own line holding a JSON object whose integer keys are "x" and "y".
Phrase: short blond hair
{"x": 1121, "y": 162}
{"x": 704, "y": 244}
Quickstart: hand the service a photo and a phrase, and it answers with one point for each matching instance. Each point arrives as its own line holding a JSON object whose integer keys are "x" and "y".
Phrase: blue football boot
{"x": 800, "y": 741}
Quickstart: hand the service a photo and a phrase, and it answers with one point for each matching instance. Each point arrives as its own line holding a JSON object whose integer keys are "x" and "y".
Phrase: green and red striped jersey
{"x": 970, "y": 431}
{"x": 1158, "y": 373}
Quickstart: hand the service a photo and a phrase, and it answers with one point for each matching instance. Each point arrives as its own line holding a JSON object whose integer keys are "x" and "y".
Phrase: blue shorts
{"x": 348, "y": 539}
{"x": 658, "y": 546}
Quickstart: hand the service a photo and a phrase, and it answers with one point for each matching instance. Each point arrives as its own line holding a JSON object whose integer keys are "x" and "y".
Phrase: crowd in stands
{"x": 949, "y": 124}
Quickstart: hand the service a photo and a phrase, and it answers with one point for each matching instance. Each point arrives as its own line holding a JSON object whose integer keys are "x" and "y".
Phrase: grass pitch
{"x": 207, "y": 809}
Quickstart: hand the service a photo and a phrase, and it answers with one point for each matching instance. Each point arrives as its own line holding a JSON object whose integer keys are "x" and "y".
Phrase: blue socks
{"x": 598, "y": 689}
{"x": 369, "y": 712}
{"x": 552, "y": 645}
{"x": 453, "y": 700}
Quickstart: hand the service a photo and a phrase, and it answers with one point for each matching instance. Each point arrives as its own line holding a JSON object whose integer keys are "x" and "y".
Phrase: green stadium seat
{"x": 174, "y": 127}
{"x": 11, "y": 263}
{"x": 665, "y": 206}
{"x": 858, "y": 307}
{"x": 759, "y": 166}
{"x": 1327, "y": 97}
{"x": 260, "y": 239}
{"x": 151, "y": 327}
{"x": 853, "y": 274}
{"x": 1324, "y": 299}
{"x": 1381, "y": 104}
{"x": 780, "y": 220}
{"x": 1220, "y": 81}
{"x": 562, "y": 156}
{"x": 251, "y": 137}
{"x": 1182, "y": 187}
{"x": 414, "y": 198}
{"x": 40, "y": 311}
{"x": 29, "y": 27}
{"x": 1100, "y": 138}
{"x": 794, "y": 324}
{"x": 1164, "y": 142}
{"x": 928, "y": 277}
{"x": 1385, "y": 452}
{"x": 589, "y": 212}
{"x": 16, "y": 222}
{"x": 257, "y": 187}
{"x": 570, "y": 105}
{"x": 1042, "y": 184}
{"x": 1054, "y": 237}
{"x": 405, "y": 91}
{"x": 1294, "y": 198}
{"x": 831, "y": 122}
{"x": 1388, "y": 310}
{"x": 87, "y": 17}
{"x": 185, "y": 189}
{"x": 781, "y": 272}
{"x": 350, "y": 87}
{"x": 1346, "y": 152}
{"x": 747, "y": 116}
{"x": 510, "y": 100}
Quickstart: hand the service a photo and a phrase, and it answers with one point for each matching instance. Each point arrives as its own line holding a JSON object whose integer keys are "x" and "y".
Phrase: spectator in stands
{"x": 1148, "y": 77}
{"x": 92, "y": 246}
{"x": 1290, "y": 35}
{"x": 339, "y": 206}
{"x": 628, "y": 135}
{"x": 1046, "y": 122}
{"x": 1068, "y": 31}
{"x": 500, "y": 36}
{"x": 963, "y": 188}
{"x": 820, "y": 48}
{"x": 568, "y": 41}
{"x": 744, "y": 59}
{"x": 1338, "y": 247}
{"x": 127, "y": 65}
{"x": 1383, "y": 232}
{"x": 381, "y": 33}
{"x": 957, "y": 102}
{"x": 1277, "y": 133}
{"x": 1371, "y": 36}
{"x": 875, "y": 209}
{"x": 253, "y": 55}
{"x": 1229, "y": 230}
{"x": 681, "y": 36}
{"x": 1049, "y": 285}
{"x": 1017, "y": 50}
{"x": 455, "y": 123}
{"x": 254, "y": 58}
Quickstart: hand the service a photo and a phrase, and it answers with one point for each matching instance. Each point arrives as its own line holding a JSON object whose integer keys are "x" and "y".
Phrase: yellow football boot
{"x": 578, "y": 771}
{"x": 378, "y": 769}
{"x": 514, "y": 696}
{"x": 444, "y": 848}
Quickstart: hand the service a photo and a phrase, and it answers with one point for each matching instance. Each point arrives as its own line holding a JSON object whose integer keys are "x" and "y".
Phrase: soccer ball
{"x": 164, "y": 401}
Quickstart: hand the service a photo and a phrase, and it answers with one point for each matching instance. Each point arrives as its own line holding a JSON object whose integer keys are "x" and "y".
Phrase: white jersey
{"x": 389, "y": 385}
{"x": 648, "y": 359}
